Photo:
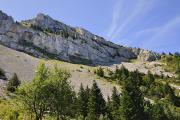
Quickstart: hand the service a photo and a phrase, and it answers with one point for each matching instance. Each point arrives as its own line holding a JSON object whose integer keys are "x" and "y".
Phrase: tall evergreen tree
{"x": 109, "y": 108}
{"x": 87, "y": 91}
{"x": 83, "y": 101}
{"x": 115, "y": 104}
{"x": 115, "y": 98}
{"x": 96, "y": 104}
{"x": 132, "y": 100}
{"x": 121, "y": 74}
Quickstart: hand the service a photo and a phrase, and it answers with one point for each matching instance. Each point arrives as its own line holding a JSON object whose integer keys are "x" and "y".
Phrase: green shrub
{"x": 100, "y": 72}
{"x": 13, "y": 83}
{"x": 2, "y": 73}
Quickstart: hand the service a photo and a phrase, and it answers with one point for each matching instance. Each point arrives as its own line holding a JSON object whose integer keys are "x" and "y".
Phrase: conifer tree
{"x": 109, "y": 108}
{"x": 83, "y": 101}
{"x": 96, "y": 104}
{"x": 87, "y": 91}
{"x": 13, "y": 83}
{"x": 115, "y": 104}
{"x": 132, "y": 100}
{"x": 125, "y": 72}
{"x": 115, "y": 98}
{"x": 121, "y": 74}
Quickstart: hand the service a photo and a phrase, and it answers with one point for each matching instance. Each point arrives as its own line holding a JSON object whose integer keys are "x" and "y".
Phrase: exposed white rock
{"x": 43, "y": 36}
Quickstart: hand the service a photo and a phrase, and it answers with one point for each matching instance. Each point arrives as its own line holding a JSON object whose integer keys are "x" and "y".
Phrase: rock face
{"x": 145, "y": 55}
{"x": 45, "y": 37}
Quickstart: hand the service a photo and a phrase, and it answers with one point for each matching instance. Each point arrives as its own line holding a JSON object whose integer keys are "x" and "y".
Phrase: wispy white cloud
{"x": 153, "y": 30}
{"x": 135, "y": 11}
{"x": 117, "y": 11}
{"x": 163, "y": 32}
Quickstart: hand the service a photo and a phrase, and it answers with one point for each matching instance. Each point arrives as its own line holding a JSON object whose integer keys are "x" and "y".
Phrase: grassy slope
{"x": 24, "y": 65}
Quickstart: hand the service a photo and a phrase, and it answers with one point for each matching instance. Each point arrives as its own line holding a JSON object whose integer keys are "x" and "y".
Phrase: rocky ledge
{"x": 45, "y": 37}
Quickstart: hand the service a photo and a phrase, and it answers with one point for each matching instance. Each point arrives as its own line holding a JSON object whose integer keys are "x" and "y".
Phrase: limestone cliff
{"x": 45, "y": 37}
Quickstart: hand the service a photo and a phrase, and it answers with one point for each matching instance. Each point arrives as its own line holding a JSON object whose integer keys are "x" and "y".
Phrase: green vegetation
{"x": 50, "y": 97}
{"x": 79, "y": 60}
{"x": 83, "y": 97}
{"x": 113, "y": 105}
{"x": 63, "y": 33}
{"x": 172, "y": 62}
{"x": 99, "y": 72}
{"x": 35, "y": 27}
{"x": 132, "y": 100}
{"x": 13, "y": 83}
{"x": 96, "y": 103}
{"x": 2, "y": 73}
{"x": 49, "y": 91}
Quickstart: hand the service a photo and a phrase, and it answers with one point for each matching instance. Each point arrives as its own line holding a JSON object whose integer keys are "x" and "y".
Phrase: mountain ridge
{"x": 45, "y": 37}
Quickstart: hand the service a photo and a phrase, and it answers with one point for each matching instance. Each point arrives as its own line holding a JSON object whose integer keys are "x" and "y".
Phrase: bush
{"x": 13, "y": 83}
{"x": 2, "y": 73}
{"x": 100, "y": 72}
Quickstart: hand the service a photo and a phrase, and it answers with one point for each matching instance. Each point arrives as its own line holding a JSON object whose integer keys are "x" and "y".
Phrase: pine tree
{"x": 121, "y": 74}
{"x": 132, "y": 100}
{"x": 13, "y": 83}
{"x": 125, "y": 72}
{"x": 115, "y": 104}
{"x": 109, "y": 108}
{"x": 115, "y": 98}
{"x": 96, "y": 104}
{"x": 83, "y": 101}
{"x": 87, "y": 91}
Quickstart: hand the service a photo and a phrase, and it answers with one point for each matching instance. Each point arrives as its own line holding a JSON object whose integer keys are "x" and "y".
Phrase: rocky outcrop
{"x": 45, "y": 37}
{"x": 145, "y": 55}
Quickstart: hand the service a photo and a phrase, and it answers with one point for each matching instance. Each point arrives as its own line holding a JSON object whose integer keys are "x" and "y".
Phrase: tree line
{"x": 50, "y": 96}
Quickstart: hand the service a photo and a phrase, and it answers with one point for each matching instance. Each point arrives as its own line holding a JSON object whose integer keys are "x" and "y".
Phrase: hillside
{"x": 24, "y": 65}
{"x": 40, "y": 56}
{"x": 51, "y": 40}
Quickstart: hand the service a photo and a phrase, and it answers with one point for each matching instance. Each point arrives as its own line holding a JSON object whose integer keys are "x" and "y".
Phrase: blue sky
{"x": 149, "y": 24}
